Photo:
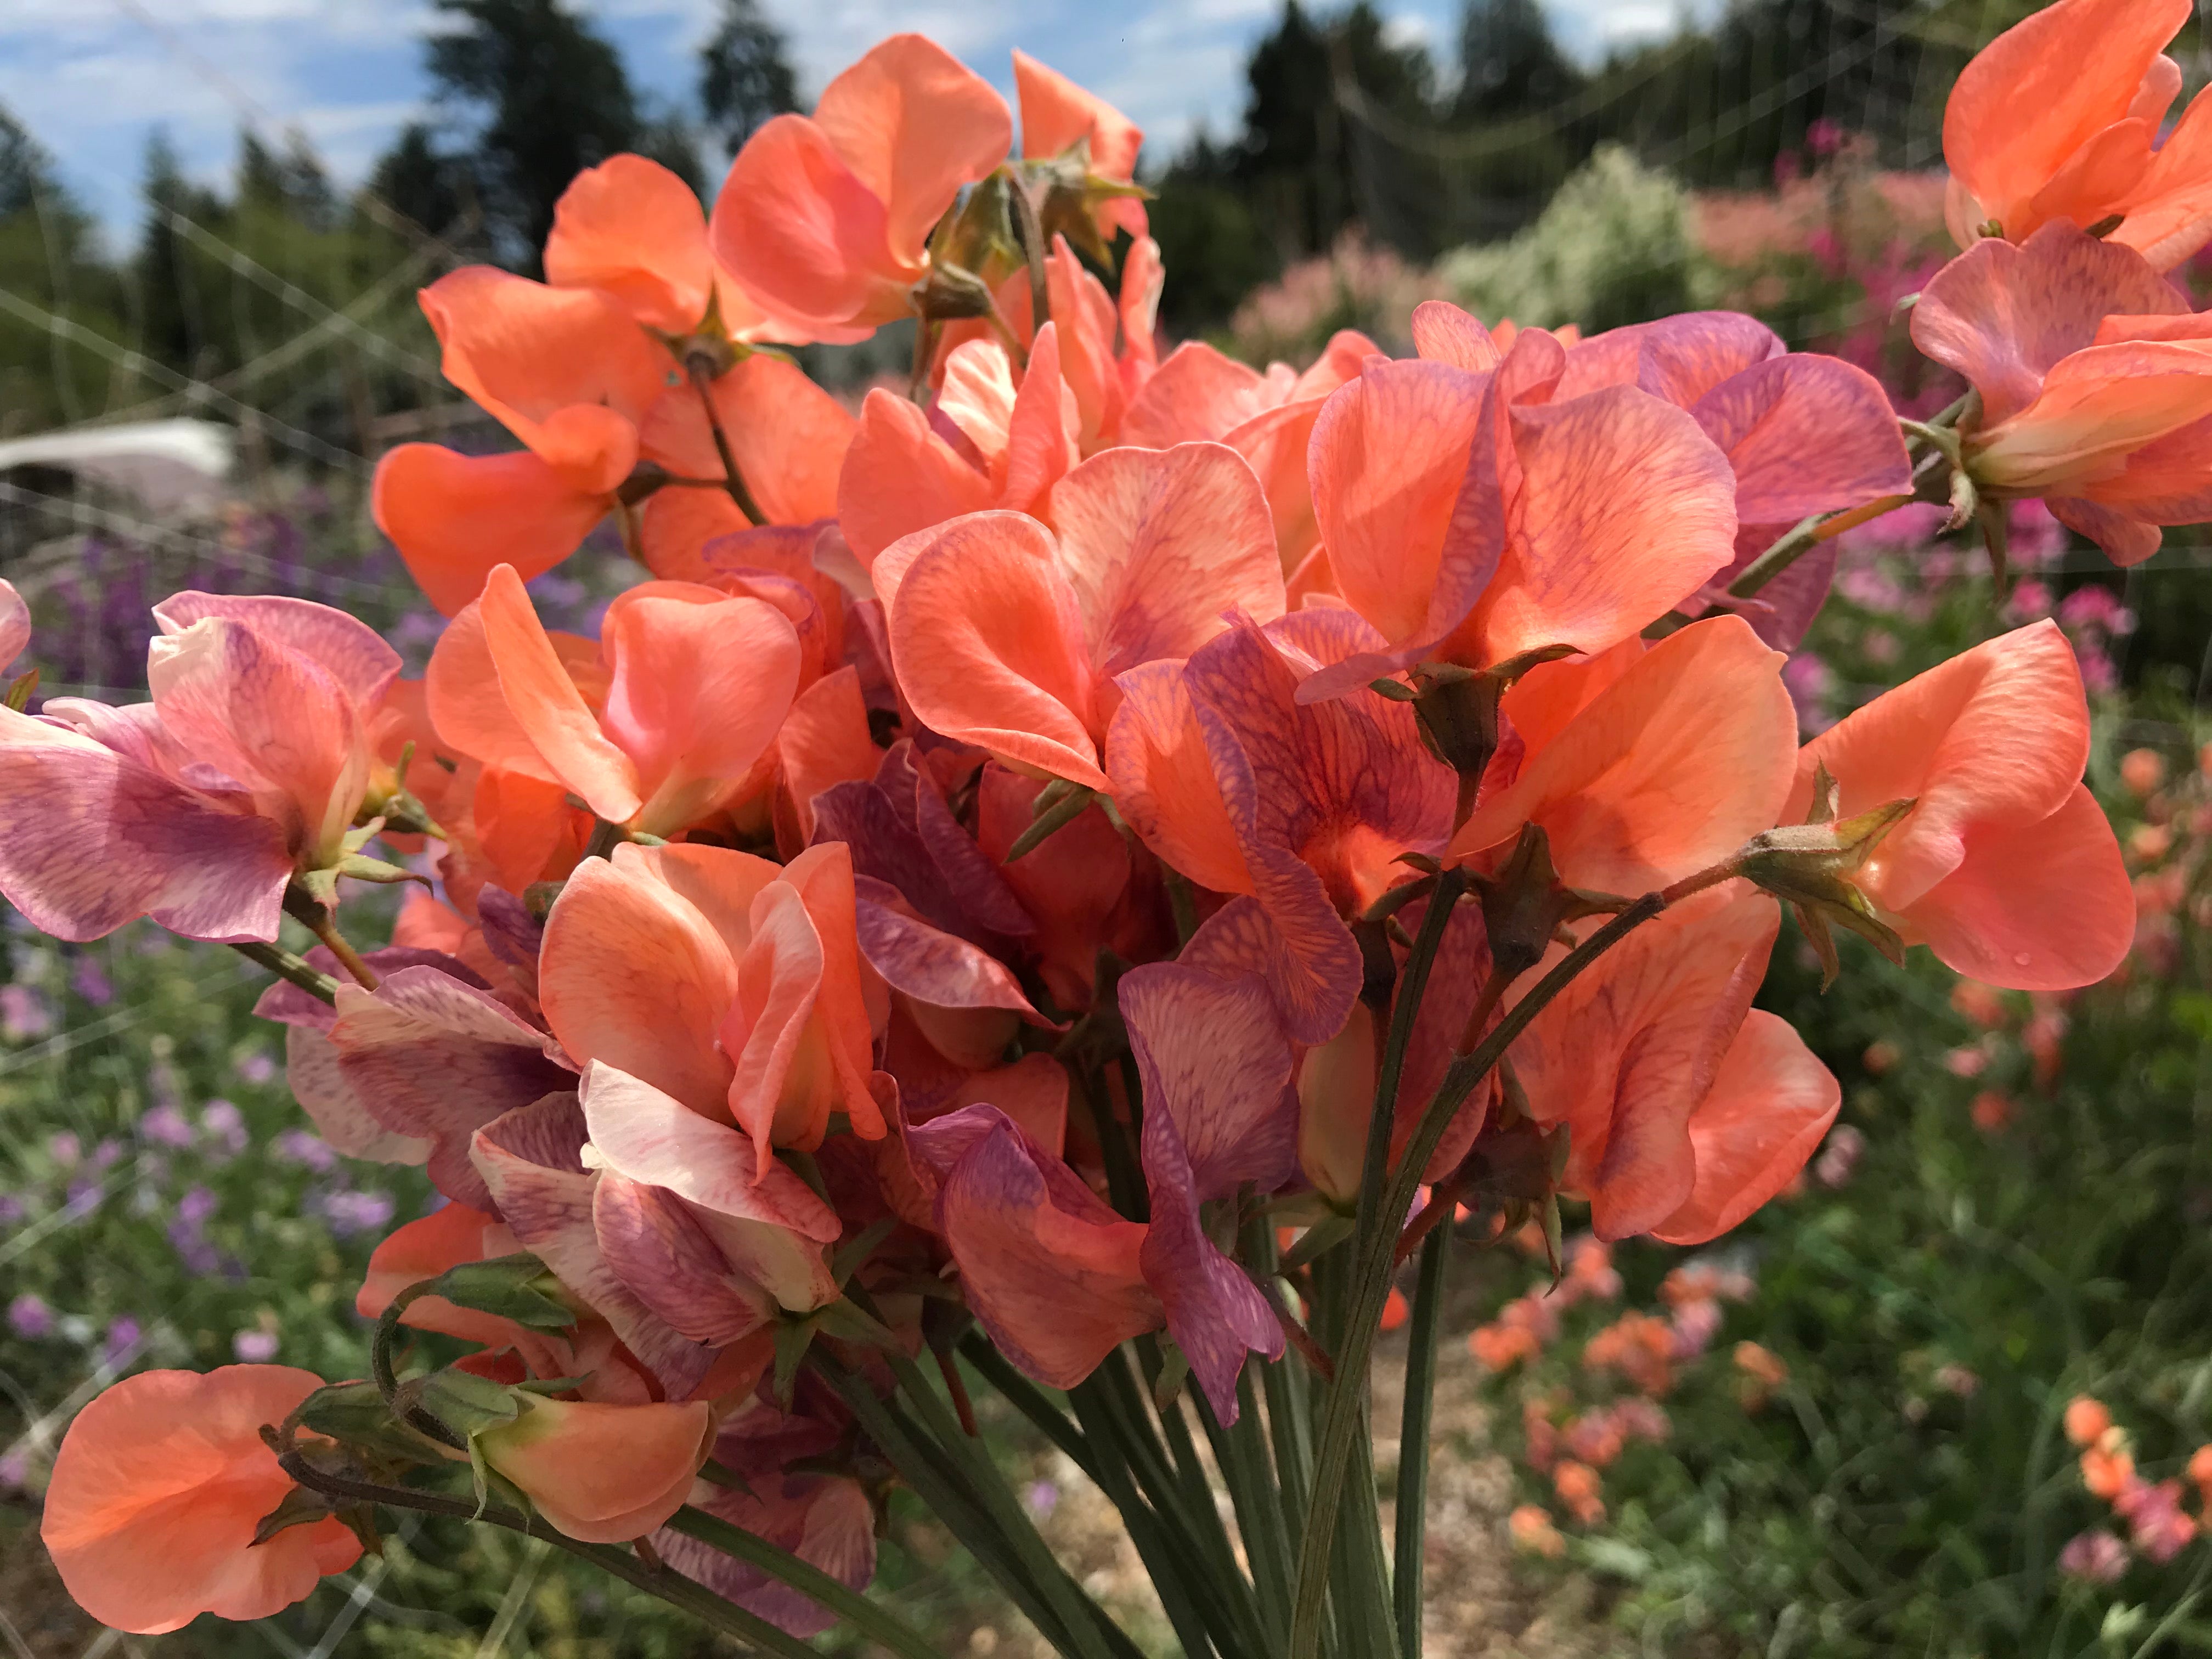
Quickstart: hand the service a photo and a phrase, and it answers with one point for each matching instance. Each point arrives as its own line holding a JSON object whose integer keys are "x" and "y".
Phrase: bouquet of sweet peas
{"x": 1073, "y": 879}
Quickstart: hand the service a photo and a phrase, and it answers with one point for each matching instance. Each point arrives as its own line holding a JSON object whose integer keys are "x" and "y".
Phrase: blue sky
{"x": 91, "y": 78}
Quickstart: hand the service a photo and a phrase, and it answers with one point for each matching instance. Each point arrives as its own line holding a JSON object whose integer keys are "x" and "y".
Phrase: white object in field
{"x": 168, "y": 465}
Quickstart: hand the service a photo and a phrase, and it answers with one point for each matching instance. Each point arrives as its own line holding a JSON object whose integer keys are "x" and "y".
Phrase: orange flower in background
{"x": 1578, "y": 1487}
{"x": 2005, "y": 866}
{"x": 824, "y": 220}
{"x": 2086, "y": 1420}
{"x": 2059, "y": 119}
{"x": 2095, "y": 380}
{"x": 1532, "y": 1530}
{"x": 157, "y": 1490}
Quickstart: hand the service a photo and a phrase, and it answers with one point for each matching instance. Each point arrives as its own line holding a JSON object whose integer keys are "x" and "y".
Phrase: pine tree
{"x": 744, "y": 74}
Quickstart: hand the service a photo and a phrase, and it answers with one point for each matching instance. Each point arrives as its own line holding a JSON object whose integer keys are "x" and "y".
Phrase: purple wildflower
{"x": 65, "y": 1149}
{"x": 166, "y": 1126}
{"x": 226, "y": 1124}
{"x": 257, "y": 1068}
{"x": 305, "y": 1148}
{"x": 89, "y": 981}
{"x": 123, "y": 1337}
{"x": 24, "y": 1013}
{"x": 349, "y": 1212}
{"x": 29, "y": 1317}
{"x": 255, "y": 1347}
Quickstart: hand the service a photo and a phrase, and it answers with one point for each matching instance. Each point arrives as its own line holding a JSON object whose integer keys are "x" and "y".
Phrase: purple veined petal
{"x": 90, "y": 839}
{"x": 435, "y": 1057}
{"x": 826, "y": 1520}
{"x": 1806, "y": 435}
{"x": 1216, "y": 1314}
{"x": 1213, "y": 1056}
{"x": 654, "y": 1243}
{"x": 1455, "y": 979}
{"x": 1781, "y": 613}
{"x": 863, "y": 816}
{"x": 15, "y": 624}
{"x": 528, "y": 1162}
{"x": 651, "y": 1137}
{"x": 971, "y": 879}
{"x": 510, "y": 932}
{"x": 1679, "y": 358}
{"x": 929, "y": 964}
{"x": 288, "y": 1004}
{"x": 339, "y": 1115}
{"x": 351, "y": 652}
{"x": 1052, "y": 1274}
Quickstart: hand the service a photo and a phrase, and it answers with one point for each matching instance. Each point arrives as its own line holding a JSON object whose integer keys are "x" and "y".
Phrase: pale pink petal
{"x": 1196, "y": 394}
{"x": 1442, "y": 333}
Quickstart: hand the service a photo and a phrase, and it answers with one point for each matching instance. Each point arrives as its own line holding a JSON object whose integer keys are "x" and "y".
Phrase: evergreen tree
{"x": 540, "y": 96}
{"x": 1510, "y": 64}
{"x": 744, "y": 74}
{"x": 424, "y": 186}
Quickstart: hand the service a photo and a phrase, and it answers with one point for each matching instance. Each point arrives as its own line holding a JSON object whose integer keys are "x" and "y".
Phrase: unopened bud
{"x": 1809, "y": 867}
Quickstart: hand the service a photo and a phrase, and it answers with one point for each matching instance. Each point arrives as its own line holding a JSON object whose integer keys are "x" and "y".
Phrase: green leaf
{"x": 516, "y": 1287}
{"x": 300, "y": 1507}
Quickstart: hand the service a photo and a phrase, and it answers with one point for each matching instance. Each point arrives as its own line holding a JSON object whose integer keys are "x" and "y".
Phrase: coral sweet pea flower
{"x": 1469, "y": 526}
{"x": 1234, "y": 782}
{"x": 604, "y": 1474}
{"x": 1665, "y": 770}
{"x": 1686, "y": 1109}
{"x": 2059, "y": 119}
{"x": 1268, "y": 418}
{"x": 157, "y": 1490}
{"x": 663, "y": 729}
{"x": 1007, "y": 635}
{"x": 2096, "y": 383}
{"x": 632, "y": 230}
{"x": 824, "y": 221}
{"x": 249, "y": 764}
{"x": 569, "y": 373}
{"x": 2005, "y": 867}
{"x": 755, "y": 1012}
{"x": 1057, "y": 115}
{"x": 1803, "y": 433}
{"x": 986, "y": 445}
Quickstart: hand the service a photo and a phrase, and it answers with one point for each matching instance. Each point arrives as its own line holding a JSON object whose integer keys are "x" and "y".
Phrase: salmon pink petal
{"x": 1032, "y": 1092}
{"x": 2004, "y": 316}
{"x": 436, "y": 1058}
{"x": 1052, "y": 1274}
{"x": 1626, "y": 1053}
{"x": 779, "y": 1093}
{"x": 804, "y": 237}
{"x": 1057, "y": 115}
{"x": 423, "y": 1249}
{"x": 1442, "y": 333}
{"x": 1040, "y": 429}
{"x": 530, "y": 1162}
{"x": 900, "y": 477}
{"x": 527, "y": 353}
{"x": 545, "y": 703}
{"x": 2033, "y": 907}
{"x": 1389, "y": 454}
{"x": 348, "y": 650}
{"x": 90, "y": 839}
{"x": 822, "y": 877}
{"x": 1625, "y": 508}
{"x": 604, "y": 1474}
{"x": 1682, "y": 358}
{"x": 989, "y": 642}
{"x": 917, "y": 125}
{"x": 453, "y": 517}
{"x": 1196, "y": 394}
{"x": 977, "y": 393}
{"x": 157, "y": 1491}
{"x": 2095, "y": 406}
{"x": 701, "y": 683}
{"x": 632, "y": 229}
{"x": 1994, "y": 738}
{"x": 2125, "y": 540}
{"x": 1667, "y": 771}
{"x": 1805, "y": 435}
{"x": 675, "y": 526}
{"x": 1539, "y": 704}
{"x": 1157, "y": 544}
{"x": 1770, "y": 1103}
{"x": 787, "y": 436}
{"x": 2168, "y": 212}
{"x": 825, "y": 741}
{"x": 1163, "y": 779}
{"x": 2043, "y": 88}
{"x": 614, "y": 916}
{"x": 1143, "y": 281}
{"x": 1084, "y": 322}
{"x": 1273, "y": 444}
{"x": 268, "y": 717}
{"x": 638, "y": 1132}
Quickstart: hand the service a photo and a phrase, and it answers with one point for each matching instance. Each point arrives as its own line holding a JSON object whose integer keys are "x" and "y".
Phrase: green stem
{"x": 673, "y": 1587}
{"x": 1414, "y": 1438}
{"x": 1030, "y": 1401}
{"x": 1241, "y": 1450}
{"x": 832, "y": 1596}
{"x": 1370, "y": 1284}
{"x": 295, "y": 969}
